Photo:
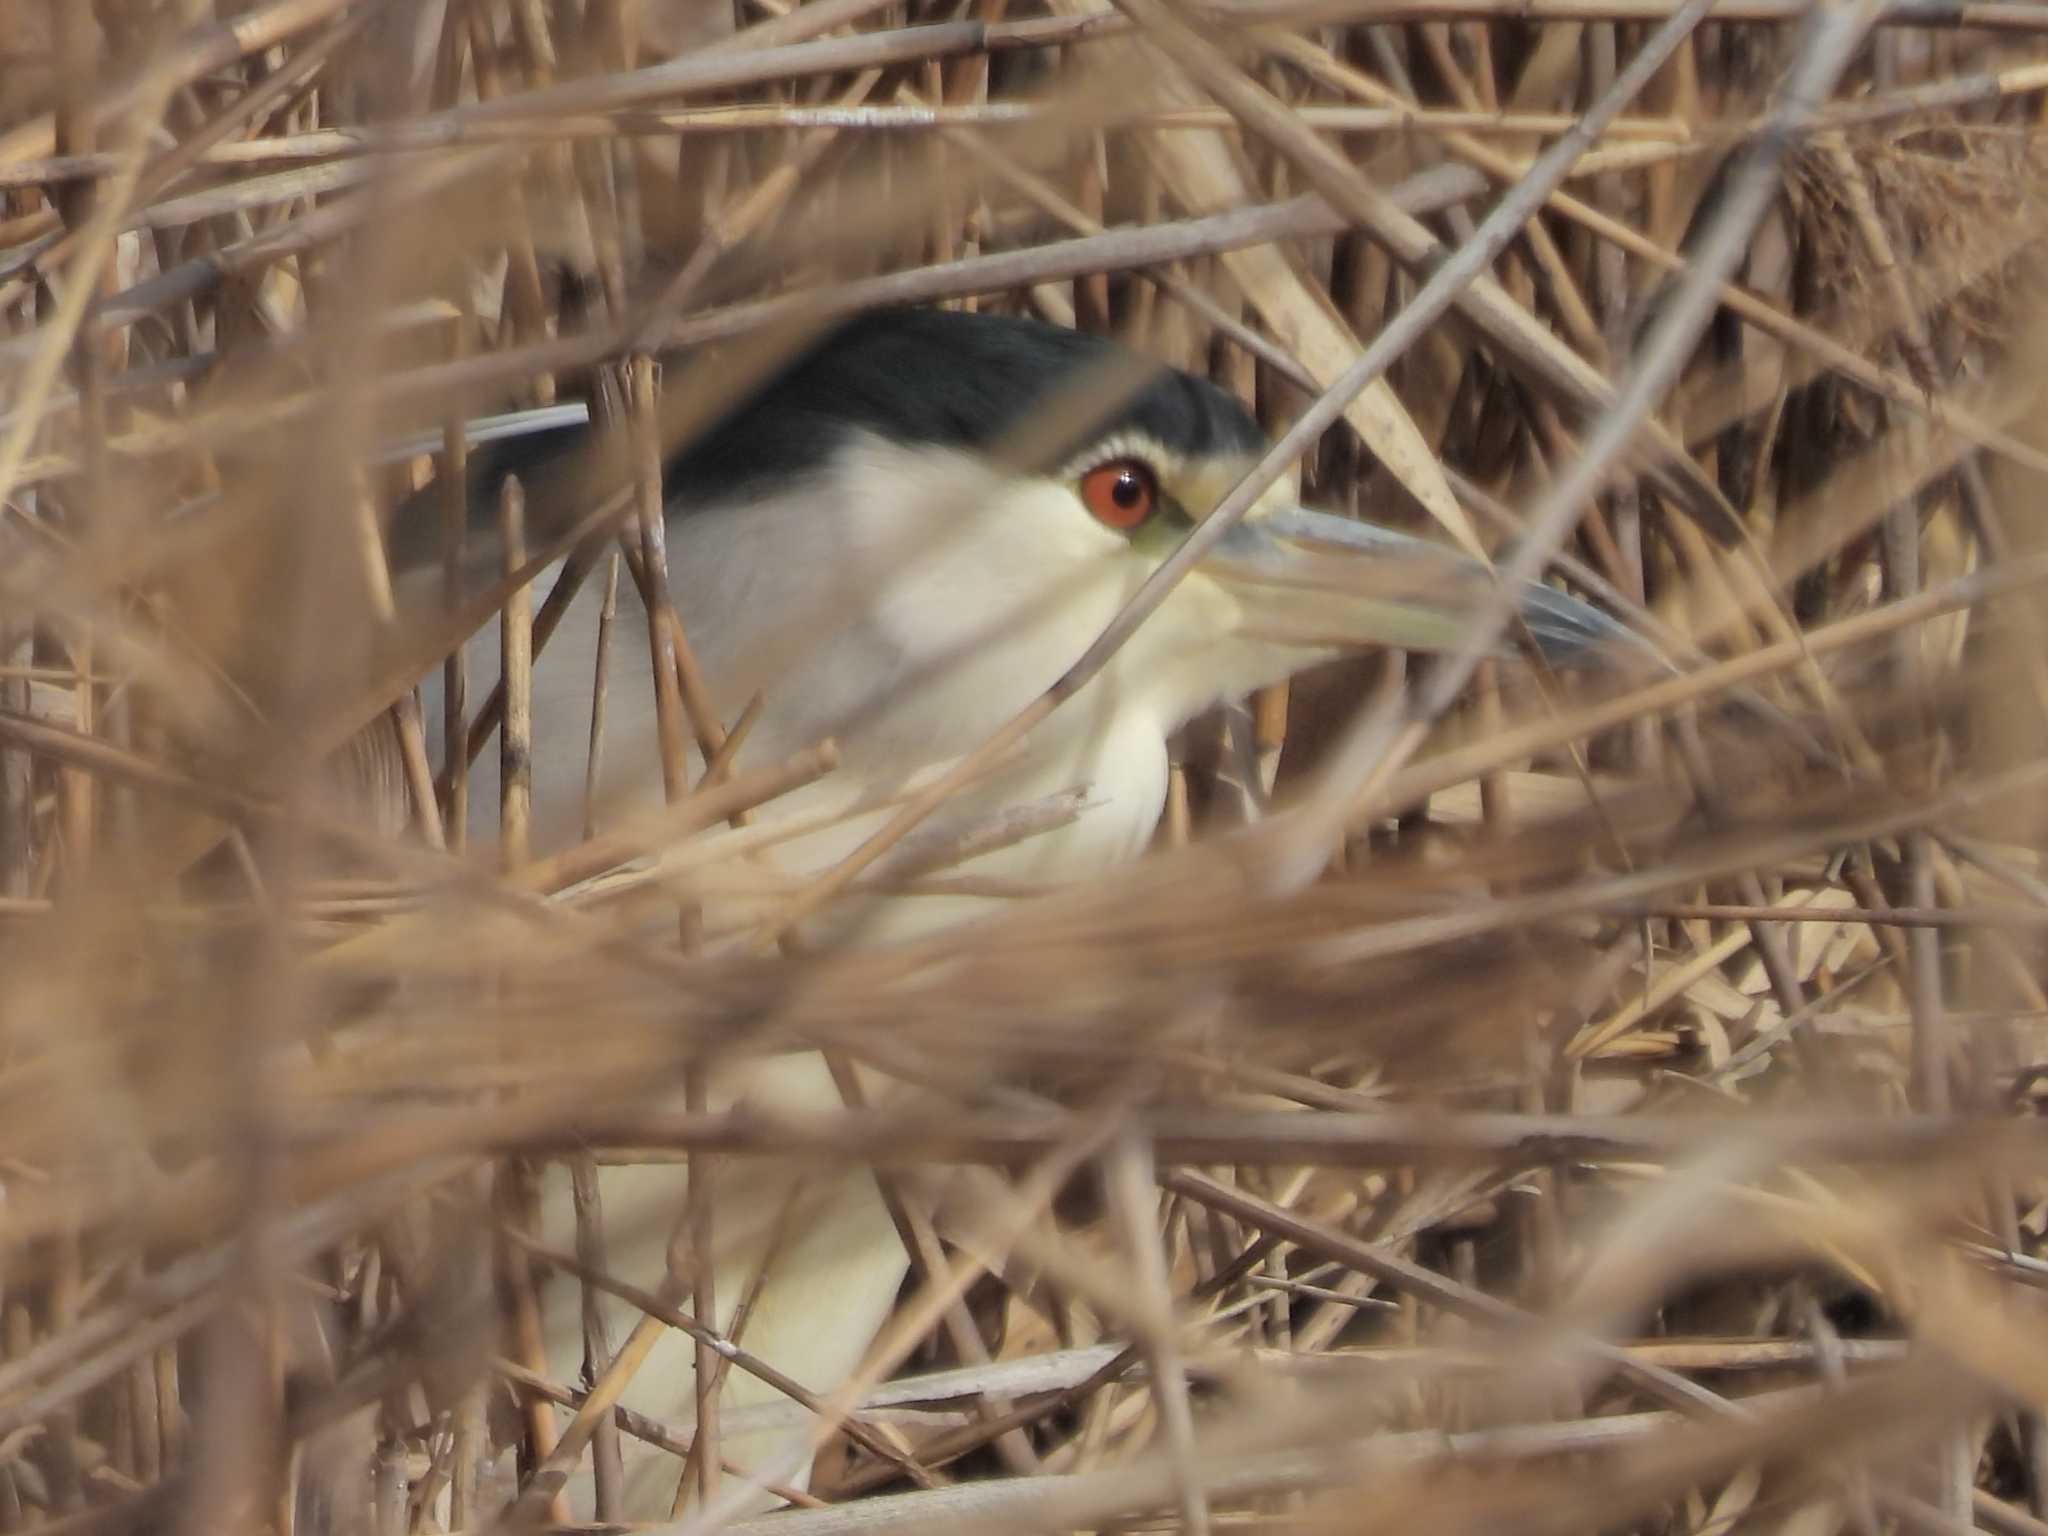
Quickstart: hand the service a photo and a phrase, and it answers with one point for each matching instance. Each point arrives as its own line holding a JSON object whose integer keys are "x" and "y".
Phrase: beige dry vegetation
{"x": 1590, "y": 1104}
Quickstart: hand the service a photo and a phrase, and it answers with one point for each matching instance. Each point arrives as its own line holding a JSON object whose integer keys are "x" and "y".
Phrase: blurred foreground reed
{"x": 1630, "y": 1130}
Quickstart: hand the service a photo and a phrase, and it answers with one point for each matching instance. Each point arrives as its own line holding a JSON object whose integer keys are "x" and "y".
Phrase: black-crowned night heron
{"x": 874, "y": 542}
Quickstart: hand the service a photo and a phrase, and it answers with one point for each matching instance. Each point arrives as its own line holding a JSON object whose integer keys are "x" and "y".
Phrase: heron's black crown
{"x": 942, "y": 378}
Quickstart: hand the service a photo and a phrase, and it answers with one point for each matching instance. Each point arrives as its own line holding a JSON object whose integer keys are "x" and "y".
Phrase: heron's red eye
{"x": 1120, "y": 494}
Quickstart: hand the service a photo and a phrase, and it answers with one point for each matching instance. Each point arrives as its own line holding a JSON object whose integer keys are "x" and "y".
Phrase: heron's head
{"x": 994, "y": 489}
{"x": 905, "y": 533}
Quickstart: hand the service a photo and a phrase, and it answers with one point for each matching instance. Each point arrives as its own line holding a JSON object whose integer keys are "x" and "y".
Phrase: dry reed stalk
{"x": 1711, "y": 997}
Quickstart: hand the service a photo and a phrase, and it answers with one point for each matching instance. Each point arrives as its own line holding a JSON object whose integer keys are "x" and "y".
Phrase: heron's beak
{"x": 1307, "y": 578}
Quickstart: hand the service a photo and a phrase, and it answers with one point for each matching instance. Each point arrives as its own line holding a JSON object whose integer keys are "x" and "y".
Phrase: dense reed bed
{"x": 1502, "y": 1101}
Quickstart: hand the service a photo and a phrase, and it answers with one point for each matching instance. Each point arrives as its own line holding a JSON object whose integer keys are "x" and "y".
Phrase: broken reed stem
{"x": 76, "y": 134}
{"x": 454, "y": 498}
{"x": 180, "y": 418}
{"x": 419, "y": 772}
{"x": 600, "y": 694}
{"x": 567, "y": 584}
{"x": 666, "y": 654}
{"x": 641, "y": 408}
{"x": 607, "y": 1469}
{"x": 1131, "y": 1176}
{"x": 517, "y": 1208}
{"x": 515, "y": 802}
{"x": 515, "y": 658}
{"x": 699, "y": 1225}
{"x": 471, "y": 1436}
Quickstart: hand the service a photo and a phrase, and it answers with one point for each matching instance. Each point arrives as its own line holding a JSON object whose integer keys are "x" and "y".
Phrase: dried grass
{"x": 1588, "y": 1104}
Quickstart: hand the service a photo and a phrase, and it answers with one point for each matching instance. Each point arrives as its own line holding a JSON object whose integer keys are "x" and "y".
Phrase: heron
{"x": 896, "y": 540}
